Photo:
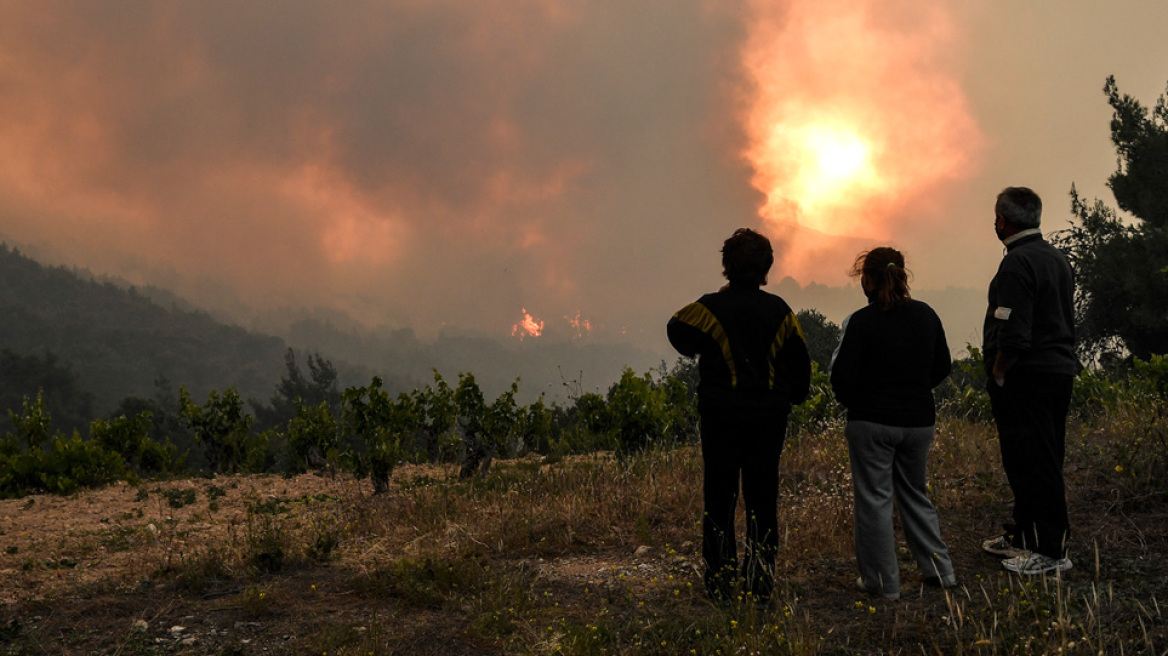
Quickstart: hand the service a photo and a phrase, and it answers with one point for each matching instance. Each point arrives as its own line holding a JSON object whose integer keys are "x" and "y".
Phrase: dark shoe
{"x": 939, "y": 582}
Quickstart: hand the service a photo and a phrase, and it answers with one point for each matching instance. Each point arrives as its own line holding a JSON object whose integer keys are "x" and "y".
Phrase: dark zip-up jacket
{"x": 1031, "y": 311}
{"x": 888, "y": 362}
{"x": 750, "y": 347}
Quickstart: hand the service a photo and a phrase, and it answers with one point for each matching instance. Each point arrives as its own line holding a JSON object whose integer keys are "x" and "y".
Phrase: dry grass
{"x": 592, "y": 555}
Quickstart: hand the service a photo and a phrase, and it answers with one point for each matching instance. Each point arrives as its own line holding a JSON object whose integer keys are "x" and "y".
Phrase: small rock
{"x": 244, "y": 625}
{"x": 188, "y": 641}
{"x": 140, "y": 626}
{"x": 177, "y": 629}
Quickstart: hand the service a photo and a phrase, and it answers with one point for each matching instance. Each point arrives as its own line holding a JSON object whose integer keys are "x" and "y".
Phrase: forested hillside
{"x": 90, "y": 344}
{"x": 118, "y": 343}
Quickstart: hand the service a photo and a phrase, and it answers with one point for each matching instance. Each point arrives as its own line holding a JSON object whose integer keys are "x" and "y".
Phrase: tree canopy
{"x": 1122, "y": 267}
{"x": 821, "y": 334}
{"x": 24, "y": 377}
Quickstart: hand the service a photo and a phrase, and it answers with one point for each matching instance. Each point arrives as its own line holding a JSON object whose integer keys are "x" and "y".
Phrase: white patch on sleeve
{"x": 1003, "y": 313}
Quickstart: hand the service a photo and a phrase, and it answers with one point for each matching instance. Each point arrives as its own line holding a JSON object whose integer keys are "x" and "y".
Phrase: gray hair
{"x": 1020, "y": 207}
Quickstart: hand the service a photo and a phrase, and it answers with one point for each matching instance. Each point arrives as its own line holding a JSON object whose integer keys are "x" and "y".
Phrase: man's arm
{"x": 1002, "y": 363}
{"x": 1015, "y": 311}
{"x": 793, "y": 360}
{"x": 689, "y": 330}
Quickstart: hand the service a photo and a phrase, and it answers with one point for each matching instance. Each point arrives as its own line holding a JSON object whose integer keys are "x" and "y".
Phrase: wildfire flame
{"x": 528, "y": 326}
{"x": 579, "y": 324}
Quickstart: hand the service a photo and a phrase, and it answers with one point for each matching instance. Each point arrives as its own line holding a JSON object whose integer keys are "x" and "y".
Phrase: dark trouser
{"x": 1031, "y": 414}
{"x": 741, "y": 445}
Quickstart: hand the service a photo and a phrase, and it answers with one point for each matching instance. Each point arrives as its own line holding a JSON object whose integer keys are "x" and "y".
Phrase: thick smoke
{"x": 440, "y": 164}
{"x": 421, "y": 163}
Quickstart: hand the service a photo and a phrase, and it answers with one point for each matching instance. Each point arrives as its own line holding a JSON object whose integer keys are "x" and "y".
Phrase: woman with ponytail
{"x": 891, "y": 355}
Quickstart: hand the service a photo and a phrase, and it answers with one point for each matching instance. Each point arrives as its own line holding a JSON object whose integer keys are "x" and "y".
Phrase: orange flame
{"x": 528, "y": 326}
{"x": 582, "y": 326}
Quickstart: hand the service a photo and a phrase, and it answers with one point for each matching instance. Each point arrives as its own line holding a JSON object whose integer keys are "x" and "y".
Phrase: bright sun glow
{"x": 840, "y": 156}
{"x": 822, "y": 167}
{"x": 851, "y": 122}
{"x": 834, "y": 163}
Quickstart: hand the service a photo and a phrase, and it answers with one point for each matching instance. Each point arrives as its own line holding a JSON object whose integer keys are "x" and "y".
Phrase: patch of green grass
{"x": 124, "y": 538}
{"x": 176, "y": 498}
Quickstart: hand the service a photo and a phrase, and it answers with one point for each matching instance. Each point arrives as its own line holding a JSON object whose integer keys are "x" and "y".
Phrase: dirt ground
{"x": 76, "y": 573}
{"x": 80, "y": 575}
{"x": 119, "y": 533}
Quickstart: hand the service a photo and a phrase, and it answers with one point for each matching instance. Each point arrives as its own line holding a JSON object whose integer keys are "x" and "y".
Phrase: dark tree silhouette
{"x": 23, "y": 376}
{"x": 1122, "y": 267}
{"x": 295, "y": 389}
{"x": 822, "y": 336}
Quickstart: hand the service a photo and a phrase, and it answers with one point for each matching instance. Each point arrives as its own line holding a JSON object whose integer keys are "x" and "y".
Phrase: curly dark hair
{"x": 747, "y": 257}
{"x": 888, "y": 278}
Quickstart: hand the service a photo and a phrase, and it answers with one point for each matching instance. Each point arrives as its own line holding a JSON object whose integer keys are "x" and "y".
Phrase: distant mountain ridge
{"x": 119, "y": 339}
{"x": 119, "y": 342}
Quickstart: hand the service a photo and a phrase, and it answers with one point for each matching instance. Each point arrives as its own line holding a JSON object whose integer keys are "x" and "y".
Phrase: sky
{"x": 538, "y": 169}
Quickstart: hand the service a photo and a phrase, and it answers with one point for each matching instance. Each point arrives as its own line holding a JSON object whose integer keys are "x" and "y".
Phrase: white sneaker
{"x": 1035, "y": 563}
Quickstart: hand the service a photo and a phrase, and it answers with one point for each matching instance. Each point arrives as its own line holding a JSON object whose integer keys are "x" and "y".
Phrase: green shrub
{"x": 67, "y": 464}
{"x": 820, "y": 411}
{"x": 963, "y": 394}
{"x": 639, "y": 411}
{"x": 32, "y": 424}
{"x": 313, "y": 437}
{"x": 224, "y": 430}
{"x": 1153, "y": 373}
{"x": 374, "y": 432}
{"x": 129, "y": 438}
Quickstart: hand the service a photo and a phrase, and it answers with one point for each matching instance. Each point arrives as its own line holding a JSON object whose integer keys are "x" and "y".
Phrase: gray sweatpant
{"x": 887, "y": 462}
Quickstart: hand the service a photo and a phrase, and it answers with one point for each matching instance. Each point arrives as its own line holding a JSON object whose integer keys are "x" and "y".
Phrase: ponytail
{"x": 887, "y": 276}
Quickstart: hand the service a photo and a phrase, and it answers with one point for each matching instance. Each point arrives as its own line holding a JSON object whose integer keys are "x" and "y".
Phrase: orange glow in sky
{"x": 852, "y": 114}
{"x": 841, "y": 156}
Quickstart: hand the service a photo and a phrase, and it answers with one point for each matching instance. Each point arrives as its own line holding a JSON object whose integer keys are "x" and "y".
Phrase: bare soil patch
{"x": 105, "y": 572}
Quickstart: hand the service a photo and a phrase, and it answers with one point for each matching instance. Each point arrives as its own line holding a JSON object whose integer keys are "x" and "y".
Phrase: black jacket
{"x": 888, "y": 362}
{"x": 1031, "y": 310}
{"x": 750, "y": 347}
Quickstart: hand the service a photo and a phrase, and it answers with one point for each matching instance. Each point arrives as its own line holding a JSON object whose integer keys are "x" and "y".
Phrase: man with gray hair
{"x": 1029, "y": 347}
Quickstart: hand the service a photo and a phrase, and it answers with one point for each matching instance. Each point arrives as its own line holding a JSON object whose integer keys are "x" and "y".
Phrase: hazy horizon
{"x": 570, "y": 168}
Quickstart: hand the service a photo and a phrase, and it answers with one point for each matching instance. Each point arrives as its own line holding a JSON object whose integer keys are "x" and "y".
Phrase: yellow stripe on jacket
{"x": 699, "y": 316}
{"x": 790, "y": 327}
